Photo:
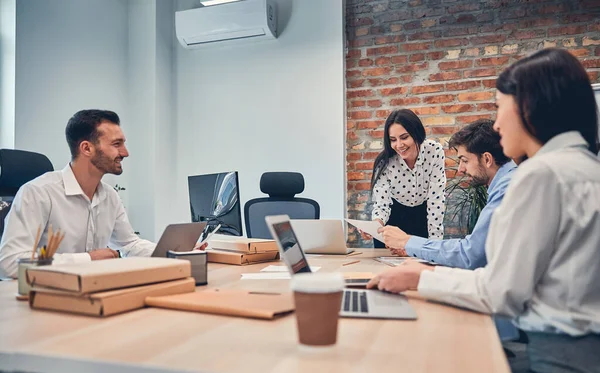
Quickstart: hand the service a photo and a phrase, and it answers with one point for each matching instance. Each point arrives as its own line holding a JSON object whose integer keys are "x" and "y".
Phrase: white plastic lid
{"x": 317, "y": 282}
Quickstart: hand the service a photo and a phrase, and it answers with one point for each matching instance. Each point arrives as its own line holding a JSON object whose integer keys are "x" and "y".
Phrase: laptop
{"x": 371, "y": 304}
{"x": 178, "y": 237}
{"x": 321, "y": 236}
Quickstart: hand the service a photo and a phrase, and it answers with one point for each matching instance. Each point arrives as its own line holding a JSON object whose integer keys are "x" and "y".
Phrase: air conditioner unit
{"x": 251, "y": 19}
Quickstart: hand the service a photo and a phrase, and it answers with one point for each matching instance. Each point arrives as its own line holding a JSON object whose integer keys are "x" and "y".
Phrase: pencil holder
{"x": 23, "y": 264}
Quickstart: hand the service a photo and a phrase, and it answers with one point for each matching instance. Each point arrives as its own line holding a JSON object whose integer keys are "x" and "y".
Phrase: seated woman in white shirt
{"x": 409, "y": 178}
{"x": 543, "y": 265}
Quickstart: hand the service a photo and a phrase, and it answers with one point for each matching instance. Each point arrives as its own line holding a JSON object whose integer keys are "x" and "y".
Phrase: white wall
{"x": 8, "y": 9}
{"x": 269, "y": 106}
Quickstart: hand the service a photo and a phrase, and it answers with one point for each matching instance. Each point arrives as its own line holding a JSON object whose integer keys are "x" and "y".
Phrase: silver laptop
{"x": 178, "y": 237}
{"x": 371, "y": 304}
{"x": 321, "y": 236}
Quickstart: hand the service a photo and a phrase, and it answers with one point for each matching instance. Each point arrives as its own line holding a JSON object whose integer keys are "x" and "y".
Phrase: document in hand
{"x": 367, "y": 226}
{"x": 243, "y": 303}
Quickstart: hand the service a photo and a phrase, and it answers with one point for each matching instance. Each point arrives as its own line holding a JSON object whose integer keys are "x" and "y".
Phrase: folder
{"x": 229, "y": 257}
{"x": 108, "y": 274}
{"x": 108, "y": 302}
{"x": 241, "y": 303}
{"x": 245, "y": 245}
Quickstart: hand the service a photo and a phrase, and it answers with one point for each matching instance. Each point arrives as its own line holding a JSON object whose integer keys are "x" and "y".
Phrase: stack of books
{"x": 107, "y": 287}
{"x": 242, "y": 251}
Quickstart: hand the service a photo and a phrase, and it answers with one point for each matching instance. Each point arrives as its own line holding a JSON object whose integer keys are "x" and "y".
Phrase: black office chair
{"x": 17, "y": 167}
{"x": 281, "y": 188}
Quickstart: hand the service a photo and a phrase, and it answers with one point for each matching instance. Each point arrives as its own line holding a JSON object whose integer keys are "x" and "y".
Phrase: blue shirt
{"x": 468, "y": 252}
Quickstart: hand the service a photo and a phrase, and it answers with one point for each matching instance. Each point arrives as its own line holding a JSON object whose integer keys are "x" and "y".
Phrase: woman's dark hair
{"x": 554, "y": 95}
{"x": 83, "y": 126}
{"x": 479, "y": 137}
{"x": 411, "y": 123}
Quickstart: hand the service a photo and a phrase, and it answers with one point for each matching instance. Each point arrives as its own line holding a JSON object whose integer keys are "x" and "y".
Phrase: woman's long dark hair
{"x": 411, "y": 123}
{"x": 554, "y": 95}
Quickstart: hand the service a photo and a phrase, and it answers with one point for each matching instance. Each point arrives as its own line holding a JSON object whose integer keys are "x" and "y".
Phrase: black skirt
{"x": 412, "y": 220}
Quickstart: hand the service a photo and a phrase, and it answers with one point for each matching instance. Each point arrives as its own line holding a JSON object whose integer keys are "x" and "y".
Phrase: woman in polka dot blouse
{"x": 409, "y": 179}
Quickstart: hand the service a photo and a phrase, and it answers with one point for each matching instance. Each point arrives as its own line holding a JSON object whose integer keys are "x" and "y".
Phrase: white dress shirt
{"x": 57, "y": 198}
{"x": 542, "y": 248}
{"x": 425, "y": 182}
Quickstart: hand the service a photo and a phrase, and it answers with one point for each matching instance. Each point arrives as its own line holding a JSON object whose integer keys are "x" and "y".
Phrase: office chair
{"x": 17, "y": 167}
{"x": 281, "y": 188}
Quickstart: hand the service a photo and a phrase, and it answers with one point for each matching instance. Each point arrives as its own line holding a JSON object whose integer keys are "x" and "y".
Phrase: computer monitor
{"x": 215, "y": 199}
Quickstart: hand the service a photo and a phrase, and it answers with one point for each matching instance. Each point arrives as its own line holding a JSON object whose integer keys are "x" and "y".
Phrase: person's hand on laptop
{"x": 401, "y": 278}
{"x": 394, "y": 238}
{"x": 399, "y": 252}
{"x": 106, "y": 253}
{"x": 201, "y": 246}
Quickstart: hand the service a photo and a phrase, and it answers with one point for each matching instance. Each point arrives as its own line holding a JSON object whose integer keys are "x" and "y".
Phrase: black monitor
{"x": 215, "y": 199}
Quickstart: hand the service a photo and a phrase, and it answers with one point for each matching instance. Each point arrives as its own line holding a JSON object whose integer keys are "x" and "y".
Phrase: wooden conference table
{"x": 443, "y": 339}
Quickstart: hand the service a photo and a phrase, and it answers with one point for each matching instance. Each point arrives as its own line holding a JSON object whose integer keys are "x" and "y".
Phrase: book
{"x": 106, "y": 303}
{"x": 242, "y": 303}
{"x": 108, "y": 274}
{"x": 245, "y": 245}
{"x": 229, "y": 257}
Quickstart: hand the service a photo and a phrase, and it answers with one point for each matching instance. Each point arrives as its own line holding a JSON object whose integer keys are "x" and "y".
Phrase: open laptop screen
{"x": 292, "y": 254}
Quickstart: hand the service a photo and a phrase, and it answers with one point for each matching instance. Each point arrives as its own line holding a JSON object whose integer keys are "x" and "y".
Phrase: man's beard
{"x": 105, "y": 164}
{"x": 479, "y": 179}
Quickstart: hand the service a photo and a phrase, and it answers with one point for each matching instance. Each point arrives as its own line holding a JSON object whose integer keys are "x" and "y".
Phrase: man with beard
{"x": 75, "y": 200}
{"x": 482, "y": 160}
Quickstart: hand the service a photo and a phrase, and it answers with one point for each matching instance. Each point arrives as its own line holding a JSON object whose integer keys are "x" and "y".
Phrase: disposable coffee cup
{"x": 318, "y": 297}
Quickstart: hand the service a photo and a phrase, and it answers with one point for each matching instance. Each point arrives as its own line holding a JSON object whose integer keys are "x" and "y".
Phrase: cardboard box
{"x": 108, "y": 302}
{"x": 108, "y": 274}
{"x": 229, "y": 257}
{"x": 245, "y": 245}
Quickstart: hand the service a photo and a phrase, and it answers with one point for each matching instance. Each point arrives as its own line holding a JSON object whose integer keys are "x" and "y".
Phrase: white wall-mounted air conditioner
{"x": 253, "y": 19}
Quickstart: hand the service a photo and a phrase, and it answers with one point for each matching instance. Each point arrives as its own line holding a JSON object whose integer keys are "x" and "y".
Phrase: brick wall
{"x": 441, "y": 59}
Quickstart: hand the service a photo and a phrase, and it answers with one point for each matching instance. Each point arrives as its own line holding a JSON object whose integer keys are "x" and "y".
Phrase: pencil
{"x": 36, "y": 242}
{"x": 354, "y": 262}
{"x": 354, "y": 253}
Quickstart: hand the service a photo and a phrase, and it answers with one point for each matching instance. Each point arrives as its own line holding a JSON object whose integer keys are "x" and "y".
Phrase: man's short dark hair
{"x": 83, "y": 126}
{"x": 479, "y": 137}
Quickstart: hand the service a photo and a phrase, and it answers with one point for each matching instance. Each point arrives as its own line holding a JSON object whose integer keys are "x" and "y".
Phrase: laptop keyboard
{"x": 355, "y": 301}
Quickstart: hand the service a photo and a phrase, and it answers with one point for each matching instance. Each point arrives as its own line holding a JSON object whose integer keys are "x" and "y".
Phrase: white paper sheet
{"x": 367, "y": 226}
{"x": 266, "y": 276}
{"x": 273, "y": 268}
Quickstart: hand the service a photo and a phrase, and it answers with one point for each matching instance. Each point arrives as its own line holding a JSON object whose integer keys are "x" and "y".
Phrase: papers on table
{"x": 266, "y": 276}
{"x": 397, "y": 260}
{"x": 273, "y": 268}
{"x": 367, "y": 226}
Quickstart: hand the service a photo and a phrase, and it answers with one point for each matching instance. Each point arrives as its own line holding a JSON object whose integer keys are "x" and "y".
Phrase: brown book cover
{"x": 229, "y": 257}
{"x": 245, "y": 245}
{"x": 108, "y": 274}
{"x": 108, "y": 302}
{"x": 242, "y": 303}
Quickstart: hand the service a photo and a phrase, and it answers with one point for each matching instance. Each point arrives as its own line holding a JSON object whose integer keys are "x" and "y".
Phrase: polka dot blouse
{"x": 425, "y": 182}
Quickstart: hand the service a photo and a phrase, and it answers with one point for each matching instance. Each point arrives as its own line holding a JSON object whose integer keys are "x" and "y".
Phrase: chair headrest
{"x": 282, "y": 184}
{"x": 17, "y": 167}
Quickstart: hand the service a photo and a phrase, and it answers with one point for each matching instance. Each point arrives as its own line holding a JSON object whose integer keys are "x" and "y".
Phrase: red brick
{"x": 450, "y": 174}
{"x": 436, "y": 55}
{"x": 353, "y": 156}
{"x": 359, "y": 103}
{"x": 594, "y": 27}
{"x": 361, "y": 31}
{"x": 377, "y": 30}
{"x": 370, "y": 124}
{"x": 356, "y": 176}
{"x": 392, "y": 39}
{"x": 463, "y": 8}
{"x": 472, "y": 118}
{"x": 376, "y": 82}
{"x": 376, "y": 134}
{"x": 364, "y": 166}
{"x": 426, "y": 110}
{"x": 382, "y": 113}
{"x": 351, "y": 64}
{"x": 364, "y": 62}
{"x": 370, "y": 155}
{"x": 492, "y": 61}
{"x": 567, "y": 30}
{"x": 443, "y": 130}
{"x": 416, "y": 90}
{"x": 355, "y": 83}
{"x": 450, "y": 152}
{"x": 426, "y": 35}
{"x": 352, "y": 73}
{"x": 591, "y": 64}
{"x": 395, "y": 91}
{"x": 461, "y": 31}
{"x": 378, "y": 71}
{"x": 475, "y": 96}
{"x": 461, "y": 86}
{"x": 356, "y": 53}
{"x": 399, "y": 59}
{"x": 489, "y": 83}
{"x": 357, "y": 43}
{"x": 415, "y": 47}
{"x": 359, "y": 93}
{"x": 374, "y": 103}
{"x": 412, "y": 67}
{"x": 462, "y": 108}
{"x": 487, "y": 106}
{"x": 390, "y": 81}
{"x": 538, "y": 22}
{"x": 360, "y": 21}
{"x": 465, "y": 18}
{"x": 405, "y": 101}
{"x": 448, "y": 75}
{"x": 593, "y": 76}
{"x": 417, "y": 57}
{"x": 352, "y": 136}
{"x": 382, "y": 50}
{"x": 579, "y": 52}
{"x": 412, "y": 25}
{"x": 528, "y": 34}
{"x": 407, "y": 78}
{"x": 445, "y": 43}
{"x": 463, "y": 64}
{"x": 480, "y": 72}
{"x": 438, "y": 99}
{"x": 362, "y": 186}
{"x": 489, "y": 39}
{"x": 350, "y": 125}
{"x": 360, "y": 115}
{"x": 381, "y": 61}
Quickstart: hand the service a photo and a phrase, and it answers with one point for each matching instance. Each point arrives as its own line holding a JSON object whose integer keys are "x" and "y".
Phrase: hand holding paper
{"x": 367, "y": 226}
